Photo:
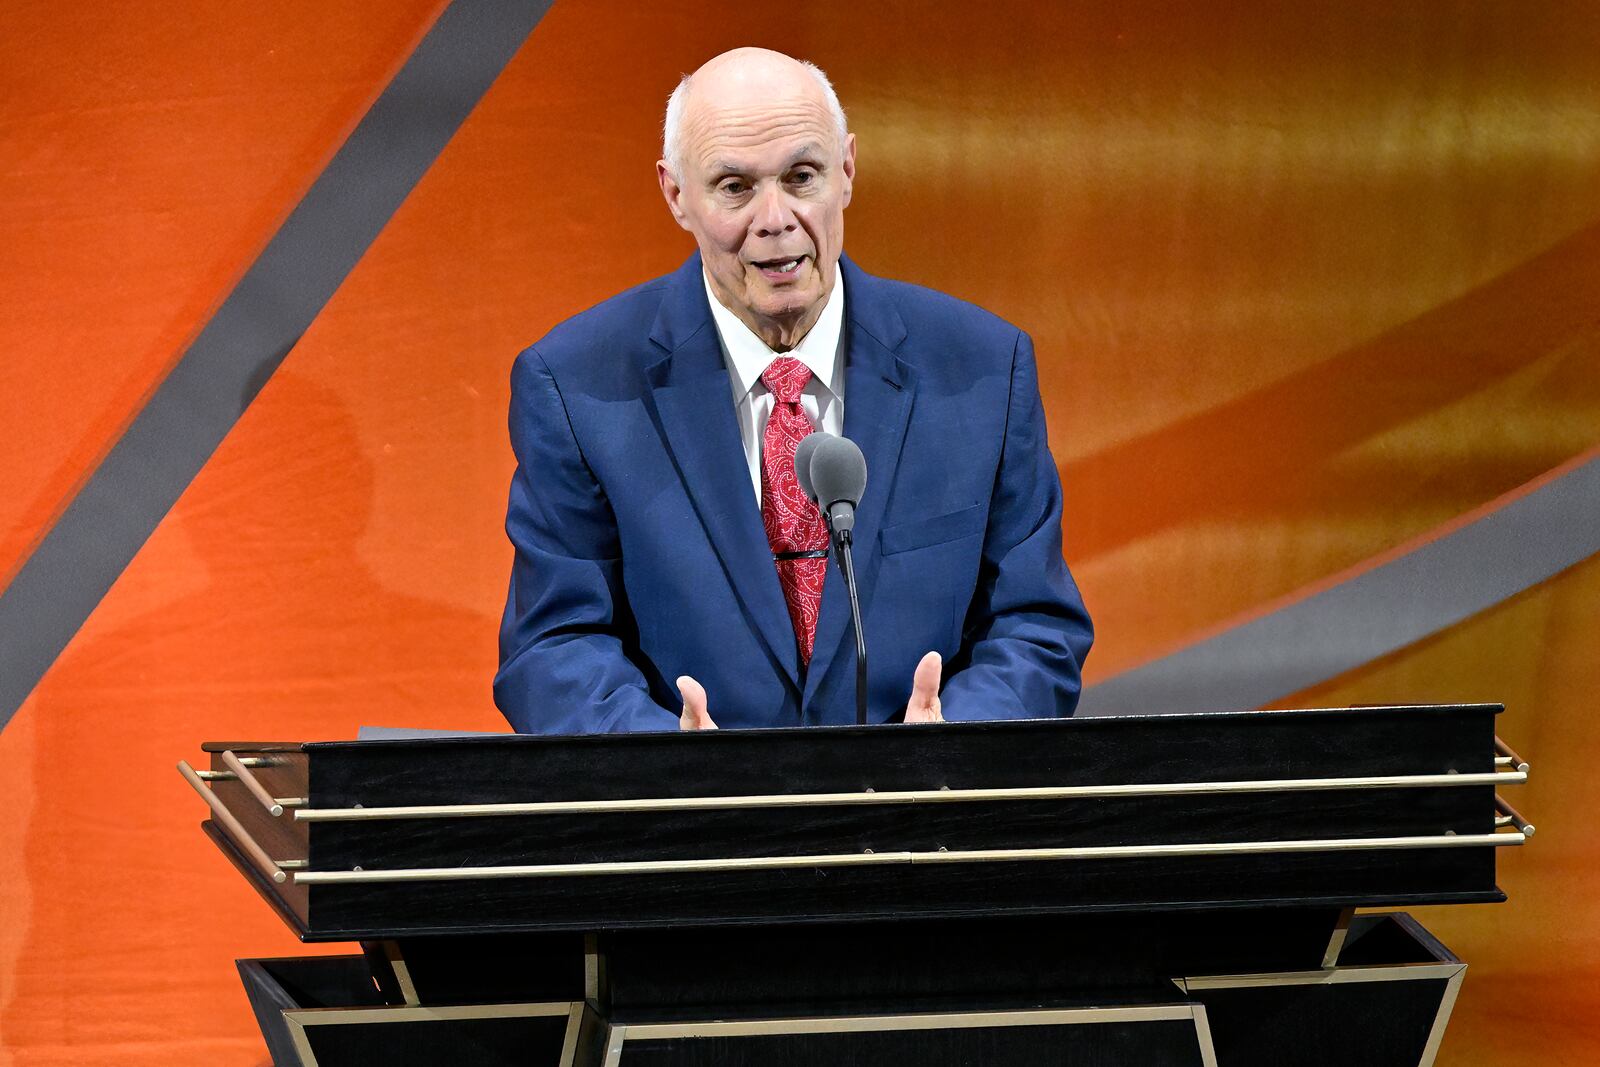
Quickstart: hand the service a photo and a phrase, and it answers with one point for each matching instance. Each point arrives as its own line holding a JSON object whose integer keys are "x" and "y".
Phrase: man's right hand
{"x": 694, "y": 715}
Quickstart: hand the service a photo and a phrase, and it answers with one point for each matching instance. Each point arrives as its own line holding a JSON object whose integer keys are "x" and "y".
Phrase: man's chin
{"x": 788, "y": 299}
{"x": 787, "y": 307}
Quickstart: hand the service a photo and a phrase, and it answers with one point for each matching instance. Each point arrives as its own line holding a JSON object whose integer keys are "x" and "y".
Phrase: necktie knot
{"x": 786, "y": 377}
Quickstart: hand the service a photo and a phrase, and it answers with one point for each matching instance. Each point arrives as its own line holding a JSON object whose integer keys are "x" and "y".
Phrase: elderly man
{"x": 669, "y": 573}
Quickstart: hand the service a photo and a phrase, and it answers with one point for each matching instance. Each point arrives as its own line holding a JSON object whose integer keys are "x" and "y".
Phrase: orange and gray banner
{"x": 178, "y": 427}
{"x": 1378, "y": 608}
{"x": 1313, "y": 289}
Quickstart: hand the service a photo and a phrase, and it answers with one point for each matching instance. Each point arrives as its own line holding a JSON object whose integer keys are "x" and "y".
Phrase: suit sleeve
{"x": 565, "y": 639}
{"x": 1027, "y": 632}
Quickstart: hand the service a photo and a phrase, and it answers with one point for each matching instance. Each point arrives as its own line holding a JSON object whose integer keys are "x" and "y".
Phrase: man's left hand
{"x": 924, "y": 703}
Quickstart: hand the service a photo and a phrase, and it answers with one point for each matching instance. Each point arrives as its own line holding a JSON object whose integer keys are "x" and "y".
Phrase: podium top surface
{"x": 1150, "y": 720}
{"x": 1355, "y": 806}
{"x": 1187, "y": 747}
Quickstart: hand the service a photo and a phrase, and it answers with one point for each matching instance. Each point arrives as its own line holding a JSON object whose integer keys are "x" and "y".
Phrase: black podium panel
{"x": 1319, "y": 1024}
{"x": 1001, "y": 963}
{"x": 511, "y": 1041}
{"x": 325, "y": 1011}
{"x": 1386, "y": 1001}
{"x": 475, "y": 970}
{"x": 283, "y": 985}
{"x": 362, "y": 911}
{"x": 1386, "y": 1004}
{"x": 1087, "y": 1038}
{"x": 1132, "y": 749}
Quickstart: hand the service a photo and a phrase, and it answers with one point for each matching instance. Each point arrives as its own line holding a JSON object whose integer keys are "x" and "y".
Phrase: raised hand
{"x": 695, "y": 716}
{"x": 924, "y": 703}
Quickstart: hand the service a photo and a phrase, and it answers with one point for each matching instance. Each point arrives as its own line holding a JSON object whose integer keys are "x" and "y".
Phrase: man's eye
{"x": 733, "y": 187}
{"x": 802, "y": 177}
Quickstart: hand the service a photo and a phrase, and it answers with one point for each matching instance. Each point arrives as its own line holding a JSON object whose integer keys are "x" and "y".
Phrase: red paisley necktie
{"x": 795, "y": 527}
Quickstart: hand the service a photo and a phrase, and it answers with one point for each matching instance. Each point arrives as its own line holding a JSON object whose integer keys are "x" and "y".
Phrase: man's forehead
{"x": 765, "y": 131}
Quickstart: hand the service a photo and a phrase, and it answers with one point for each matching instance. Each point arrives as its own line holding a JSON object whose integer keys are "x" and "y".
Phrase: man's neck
{"x": 747, "y": 353}
{"x": 779, "y": 334}
{"x": 782, "y": 335}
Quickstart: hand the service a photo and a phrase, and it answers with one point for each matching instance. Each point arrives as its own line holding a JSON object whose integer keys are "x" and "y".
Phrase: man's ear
{"x": 671, "y": 191}
{"x": 848, "y": 167}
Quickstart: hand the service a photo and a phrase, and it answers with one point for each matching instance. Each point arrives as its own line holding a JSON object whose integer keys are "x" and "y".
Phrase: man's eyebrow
{"x": 806, "y": 153}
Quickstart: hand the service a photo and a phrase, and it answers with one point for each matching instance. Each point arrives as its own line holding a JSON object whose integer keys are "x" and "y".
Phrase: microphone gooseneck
{"x": 847, "y": 567}
{"x": 832, "y": 471}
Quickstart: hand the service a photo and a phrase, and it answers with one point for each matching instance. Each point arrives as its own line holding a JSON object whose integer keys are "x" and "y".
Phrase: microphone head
{"x": 838, "y": 478}
{"x": 802, "y": 461}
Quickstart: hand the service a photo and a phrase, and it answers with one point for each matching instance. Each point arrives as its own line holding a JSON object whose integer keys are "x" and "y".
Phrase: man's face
{"x": 763, "y": 188}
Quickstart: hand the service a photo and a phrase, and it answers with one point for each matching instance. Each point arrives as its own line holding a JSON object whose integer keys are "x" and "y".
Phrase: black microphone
{"x": 832, "y": 471}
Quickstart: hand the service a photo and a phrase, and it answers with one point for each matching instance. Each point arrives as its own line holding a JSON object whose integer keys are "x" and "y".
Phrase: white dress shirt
{"x": 746, "y": 355}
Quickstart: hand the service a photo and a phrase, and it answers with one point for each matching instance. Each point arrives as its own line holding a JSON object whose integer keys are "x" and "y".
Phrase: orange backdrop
{"x": 1306, "y": 282}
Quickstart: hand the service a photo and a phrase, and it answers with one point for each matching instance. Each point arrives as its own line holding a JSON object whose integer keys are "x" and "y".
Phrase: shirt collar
{"x": 747, "y": 355}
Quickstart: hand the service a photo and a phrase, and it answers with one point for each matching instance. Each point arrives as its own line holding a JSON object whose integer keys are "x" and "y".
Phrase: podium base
{"x": 933, "y": 994}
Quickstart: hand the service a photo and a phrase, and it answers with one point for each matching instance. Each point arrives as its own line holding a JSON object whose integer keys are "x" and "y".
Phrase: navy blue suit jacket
{"x": 640, "y": 553}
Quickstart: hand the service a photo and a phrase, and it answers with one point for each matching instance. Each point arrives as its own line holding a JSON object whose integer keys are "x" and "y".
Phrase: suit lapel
{"x": 878, "y": 394}
{"x": 692, "y": 395}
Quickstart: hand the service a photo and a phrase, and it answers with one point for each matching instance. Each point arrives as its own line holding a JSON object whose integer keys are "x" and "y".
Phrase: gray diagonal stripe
{"x": 1377, "y": 612}
{"x": 250, "y": 334}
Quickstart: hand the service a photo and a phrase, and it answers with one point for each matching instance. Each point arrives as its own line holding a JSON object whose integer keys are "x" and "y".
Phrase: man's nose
{"x": 773, "y": 214}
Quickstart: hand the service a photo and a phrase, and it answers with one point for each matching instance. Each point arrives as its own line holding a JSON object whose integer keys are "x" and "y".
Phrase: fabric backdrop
{"x": 1308, "y": 283}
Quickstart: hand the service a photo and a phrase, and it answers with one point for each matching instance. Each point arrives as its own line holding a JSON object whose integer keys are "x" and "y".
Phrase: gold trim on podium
{"x": 271, "y": 868}
{"x": 402, "y": 973}
{"x": 619, "y": 1035}
{"x": 1341, "y": 929}
{"x": 1451, "y": 972}
{"x": 569, "y": 1043}
{"x": 905, "y": 796}
{"x": 300, "y": 1019}
{"x": 252, "y": 784}
{"x": 869, "y": 858}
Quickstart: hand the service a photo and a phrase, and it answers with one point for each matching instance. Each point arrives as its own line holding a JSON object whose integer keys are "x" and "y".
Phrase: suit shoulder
{"x": 590, "y": 340}
{"x": 940, "y": 321}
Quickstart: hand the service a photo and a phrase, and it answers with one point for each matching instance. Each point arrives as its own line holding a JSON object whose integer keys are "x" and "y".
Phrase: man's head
{"x": 758, "y": 165}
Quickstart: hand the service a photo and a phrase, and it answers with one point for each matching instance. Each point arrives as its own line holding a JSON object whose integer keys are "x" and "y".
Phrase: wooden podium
{"x": 1142, "y": 890}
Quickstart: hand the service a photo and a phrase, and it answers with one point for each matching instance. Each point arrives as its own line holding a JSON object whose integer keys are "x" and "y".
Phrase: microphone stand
{"x": 847, "y": 566}
{"x": 833, "y": 473}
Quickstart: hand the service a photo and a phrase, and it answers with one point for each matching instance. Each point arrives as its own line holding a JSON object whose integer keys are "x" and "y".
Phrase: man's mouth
{"x": 779, "y": 270}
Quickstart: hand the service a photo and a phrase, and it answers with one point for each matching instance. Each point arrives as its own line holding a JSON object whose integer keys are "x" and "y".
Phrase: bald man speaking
{"x": 669, "y": 573}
